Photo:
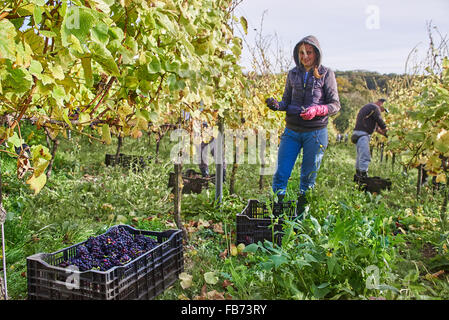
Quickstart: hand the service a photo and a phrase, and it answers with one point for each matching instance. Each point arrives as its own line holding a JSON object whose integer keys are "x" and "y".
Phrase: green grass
{"x": 344, "y": 233}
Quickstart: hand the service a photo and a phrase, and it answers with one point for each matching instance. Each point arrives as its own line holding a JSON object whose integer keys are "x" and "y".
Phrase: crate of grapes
{"x": 257, "y": 221}
{"x": 121, "y": 264}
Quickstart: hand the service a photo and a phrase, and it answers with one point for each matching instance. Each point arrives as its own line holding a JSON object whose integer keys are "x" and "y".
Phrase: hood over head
{"x": 312, "y": 40}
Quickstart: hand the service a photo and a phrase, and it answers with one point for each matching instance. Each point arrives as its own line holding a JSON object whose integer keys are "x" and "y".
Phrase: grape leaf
{"x": 100, "y": 33}
{"x": 78, "y": 21}
{"x": 106, "y": 133}
{"x": 103, "y": 56}
{"x": 186, "y": 280}
{"x": 244, "y": 24}
{"x": 210, "y": 277}
{"x": 7, "y": 44}
{"x": 37, "y": 182}
{"x": 37, "y": 14}
{"x": 87, "y": 67}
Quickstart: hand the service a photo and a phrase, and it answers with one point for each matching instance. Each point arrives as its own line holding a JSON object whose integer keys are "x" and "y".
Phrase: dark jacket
{"x": 314, "y": 91}
{"x": 367, "y": 118}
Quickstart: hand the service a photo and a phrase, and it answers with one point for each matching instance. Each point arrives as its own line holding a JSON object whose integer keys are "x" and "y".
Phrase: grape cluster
{"x": 114, "y": 248}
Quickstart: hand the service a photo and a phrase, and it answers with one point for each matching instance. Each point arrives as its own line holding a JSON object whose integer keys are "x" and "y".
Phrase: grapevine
{"x": 419, "y": 122}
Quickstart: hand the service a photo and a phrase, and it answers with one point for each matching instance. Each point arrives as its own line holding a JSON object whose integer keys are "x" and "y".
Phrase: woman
{"x": 310, "y": 97}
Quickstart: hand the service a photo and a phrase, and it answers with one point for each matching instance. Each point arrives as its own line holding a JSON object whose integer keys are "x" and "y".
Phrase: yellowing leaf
{"x": 218, "y": 228}
{"x": 234, "y": 250}
{"x": 106, "y": 134}
{"x": 210, "y": 277}
{"x": 244, "y": 24}
{"x": 186, "y": 280}
{"x": 38, "y": 152}
{"x": 37, "y": 183}
{"x": 87, "y": 67}
{"x": 40, "y": 166}
{"x": 240, "y": 247}
{"x": 57, "y": 71}
{"x": 441, "y": 178}
{"x": 215, "y": 295}
{"x": 107, "y": 206}
{"x": 84, "y": 118}
{"x": 121, "y": 219}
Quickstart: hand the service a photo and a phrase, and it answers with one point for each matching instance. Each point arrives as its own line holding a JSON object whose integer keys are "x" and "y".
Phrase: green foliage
{"x": 115, "y": 65}
{"x": 419, "y": 122}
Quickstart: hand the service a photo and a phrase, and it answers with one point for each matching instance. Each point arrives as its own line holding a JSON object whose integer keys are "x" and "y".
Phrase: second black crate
{"x": 254, "y": 223}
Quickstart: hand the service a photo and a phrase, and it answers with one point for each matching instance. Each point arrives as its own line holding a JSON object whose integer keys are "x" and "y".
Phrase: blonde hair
{"x": 316, "y": 74}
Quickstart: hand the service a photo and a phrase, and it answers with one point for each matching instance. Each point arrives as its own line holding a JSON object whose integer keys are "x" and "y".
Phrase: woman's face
{"x": 307, "y": 55}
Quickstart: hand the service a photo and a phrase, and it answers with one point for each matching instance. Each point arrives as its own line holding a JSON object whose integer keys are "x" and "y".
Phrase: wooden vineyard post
{"x": 262, "y": 147}
{"x": 381, "y": 152}
{"x": 178, "y": 199}
{"x": 119, "y": 146}
{"x": 239, "y": 143}
{"x": 443, "y": 213}
{"x": 158, "y": 143}
{"x": 234, "y": 169}
{"x": 219, "y": 163}
{"x": 418, "y": 184}
{"x": 53, "y": 154}
{"x": 232, "y": 179}
{"x": 53, "y": 145}
{"x": 261, "y": 177}
{"x": 178, "y": 190}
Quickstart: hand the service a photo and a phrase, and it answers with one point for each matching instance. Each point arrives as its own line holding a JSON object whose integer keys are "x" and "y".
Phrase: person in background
{"x": 369, "y": 119}
{"x": 205, "y": 148}
{"x": 309, "y": 98}
{"x": 204, "y": 165}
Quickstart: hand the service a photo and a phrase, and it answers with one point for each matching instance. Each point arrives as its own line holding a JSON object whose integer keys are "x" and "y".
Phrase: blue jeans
{"x": 363, "y": 153}
{"x": 313, "y": 144}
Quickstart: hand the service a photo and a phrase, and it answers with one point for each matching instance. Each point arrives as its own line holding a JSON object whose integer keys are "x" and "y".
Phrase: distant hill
{"x": 362, "y": 79}
{"x": 357, "y": 88}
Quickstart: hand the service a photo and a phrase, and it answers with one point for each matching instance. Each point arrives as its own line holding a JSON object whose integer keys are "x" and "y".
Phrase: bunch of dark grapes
{"x": 114, "y": 248}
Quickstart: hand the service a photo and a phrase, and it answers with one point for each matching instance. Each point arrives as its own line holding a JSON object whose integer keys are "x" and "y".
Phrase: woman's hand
{"x": 314, "y": 111}
{"x": 272, "y": 103}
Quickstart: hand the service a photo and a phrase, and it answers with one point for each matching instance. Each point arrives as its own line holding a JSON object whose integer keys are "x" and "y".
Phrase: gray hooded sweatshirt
{"x": 303, "y": 90}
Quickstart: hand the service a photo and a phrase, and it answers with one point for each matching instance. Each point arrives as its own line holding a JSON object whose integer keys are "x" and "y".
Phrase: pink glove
{"x": 313, "y": 111}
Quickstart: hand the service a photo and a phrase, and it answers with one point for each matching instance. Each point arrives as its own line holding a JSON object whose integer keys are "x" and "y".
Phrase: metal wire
{"x": 4, "y": 262}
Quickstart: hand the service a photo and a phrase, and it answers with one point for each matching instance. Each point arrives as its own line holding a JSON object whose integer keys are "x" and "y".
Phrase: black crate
{"x": 192, "y": 181}
{"x": 127, "y": 161}
{"x": 142, "y": 278}
{"x": 254, "y": 223}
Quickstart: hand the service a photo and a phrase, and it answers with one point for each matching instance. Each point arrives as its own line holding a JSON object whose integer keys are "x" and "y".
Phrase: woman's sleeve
{"x": 287, "y": 97}
{"x": 332, "y": 99}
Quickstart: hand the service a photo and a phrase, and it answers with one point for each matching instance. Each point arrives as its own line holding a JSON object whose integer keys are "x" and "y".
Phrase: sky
{"x": 373, "y": 35}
